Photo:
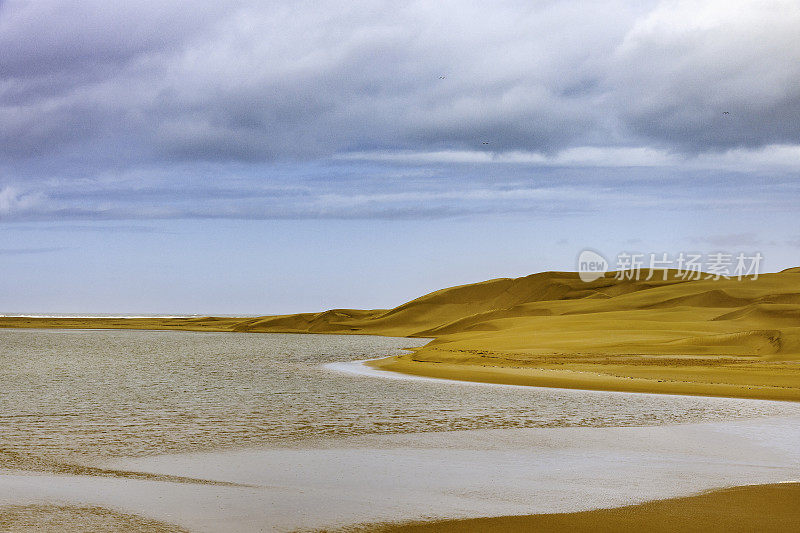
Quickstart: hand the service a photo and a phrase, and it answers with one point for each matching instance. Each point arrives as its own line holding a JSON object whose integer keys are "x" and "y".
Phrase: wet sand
{"x": 397, "y": 478}
{"x": 604, "y": 377}
{"x": 77, "y": 519}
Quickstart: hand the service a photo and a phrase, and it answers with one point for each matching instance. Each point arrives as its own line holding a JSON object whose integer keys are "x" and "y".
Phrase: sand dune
{"x": 666, "y": 334}
{"x": 752, "y": 508}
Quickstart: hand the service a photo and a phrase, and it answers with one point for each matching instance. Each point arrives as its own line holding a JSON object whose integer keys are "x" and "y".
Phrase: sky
{"x": 258, "y": 157}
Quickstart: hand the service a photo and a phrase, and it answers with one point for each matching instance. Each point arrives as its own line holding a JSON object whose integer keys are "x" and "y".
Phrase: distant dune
{"x": 723, "y": 337}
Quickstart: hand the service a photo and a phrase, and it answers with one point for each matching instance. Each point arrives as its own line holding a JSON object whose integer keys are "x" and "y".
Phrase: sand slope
{"x": 752, "y": 508}
{"x": 719, "y": 337}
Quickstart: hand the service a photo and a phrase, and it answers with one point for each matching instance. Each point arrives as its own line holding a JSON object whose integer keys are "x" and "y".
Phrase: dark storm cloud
{"x": 259, "y": 81}
{"x": 265, "y": 81}
{"x": 711, "y": 75}
{"x": 63, "y": 63}
{"x": 92, "y": 93}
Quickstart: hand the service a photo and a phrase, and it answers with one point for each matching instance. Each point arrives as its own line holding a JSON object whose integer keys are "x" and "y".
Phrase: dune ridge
{"x": 722, "y": 337}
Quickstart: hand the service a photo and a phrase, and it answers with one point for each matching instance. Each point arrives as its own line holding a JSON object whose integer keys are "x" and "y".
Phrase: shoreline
{"x": 397, "y": 480}
{"x": 724, "y": 509}
{"x": 709, "y": 337}
{"x": 576, "y": 379}
{"x": 462, "y": 368}
{"x": 721, "y": 510}
{"x": 383, "y": 367}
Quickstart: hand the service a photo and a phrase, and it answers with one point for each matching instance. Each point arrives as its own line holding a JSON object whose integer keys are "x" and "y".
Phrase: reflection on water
{"x": 85, "y": 394}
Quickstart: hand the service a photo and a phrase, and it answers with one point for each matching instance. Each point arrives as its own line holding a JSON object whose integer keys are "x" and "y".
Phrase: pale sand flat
{"x": 464, "y": 474}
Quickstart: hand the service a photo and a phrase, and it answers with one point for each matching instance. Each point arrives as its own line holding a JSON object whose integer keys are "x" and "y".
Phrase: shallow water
{"x": 84, "y": 394}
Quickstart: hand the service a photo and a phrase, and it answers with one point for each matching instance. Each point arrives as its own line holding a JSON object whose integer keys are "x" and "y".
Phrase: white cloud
{"x": 765, "y": 158}
{"x": 684, "y": 65}
{"x": 14, "y": 202}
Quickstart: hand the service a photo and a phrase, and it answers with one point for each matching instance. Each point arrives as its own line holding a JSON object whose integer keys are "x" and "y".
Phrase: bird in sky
{"x": 441, "y": 77}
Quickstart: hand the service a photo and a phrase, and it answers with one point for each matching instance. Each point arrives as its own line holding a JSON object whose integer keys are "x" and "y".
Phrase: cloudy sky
{"x": 262, "y": 157}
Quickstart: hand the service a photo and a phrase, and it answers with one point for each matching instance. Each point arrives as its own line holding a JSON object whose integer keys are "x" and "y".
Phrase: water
{"x": 103, "y": 394}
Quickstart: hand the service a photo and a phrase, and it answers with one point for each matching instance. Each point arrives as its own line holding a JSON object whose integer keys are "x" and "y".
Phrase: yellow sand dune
{"x": 665, "y": 334}
{"x": 764, "y": 508}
